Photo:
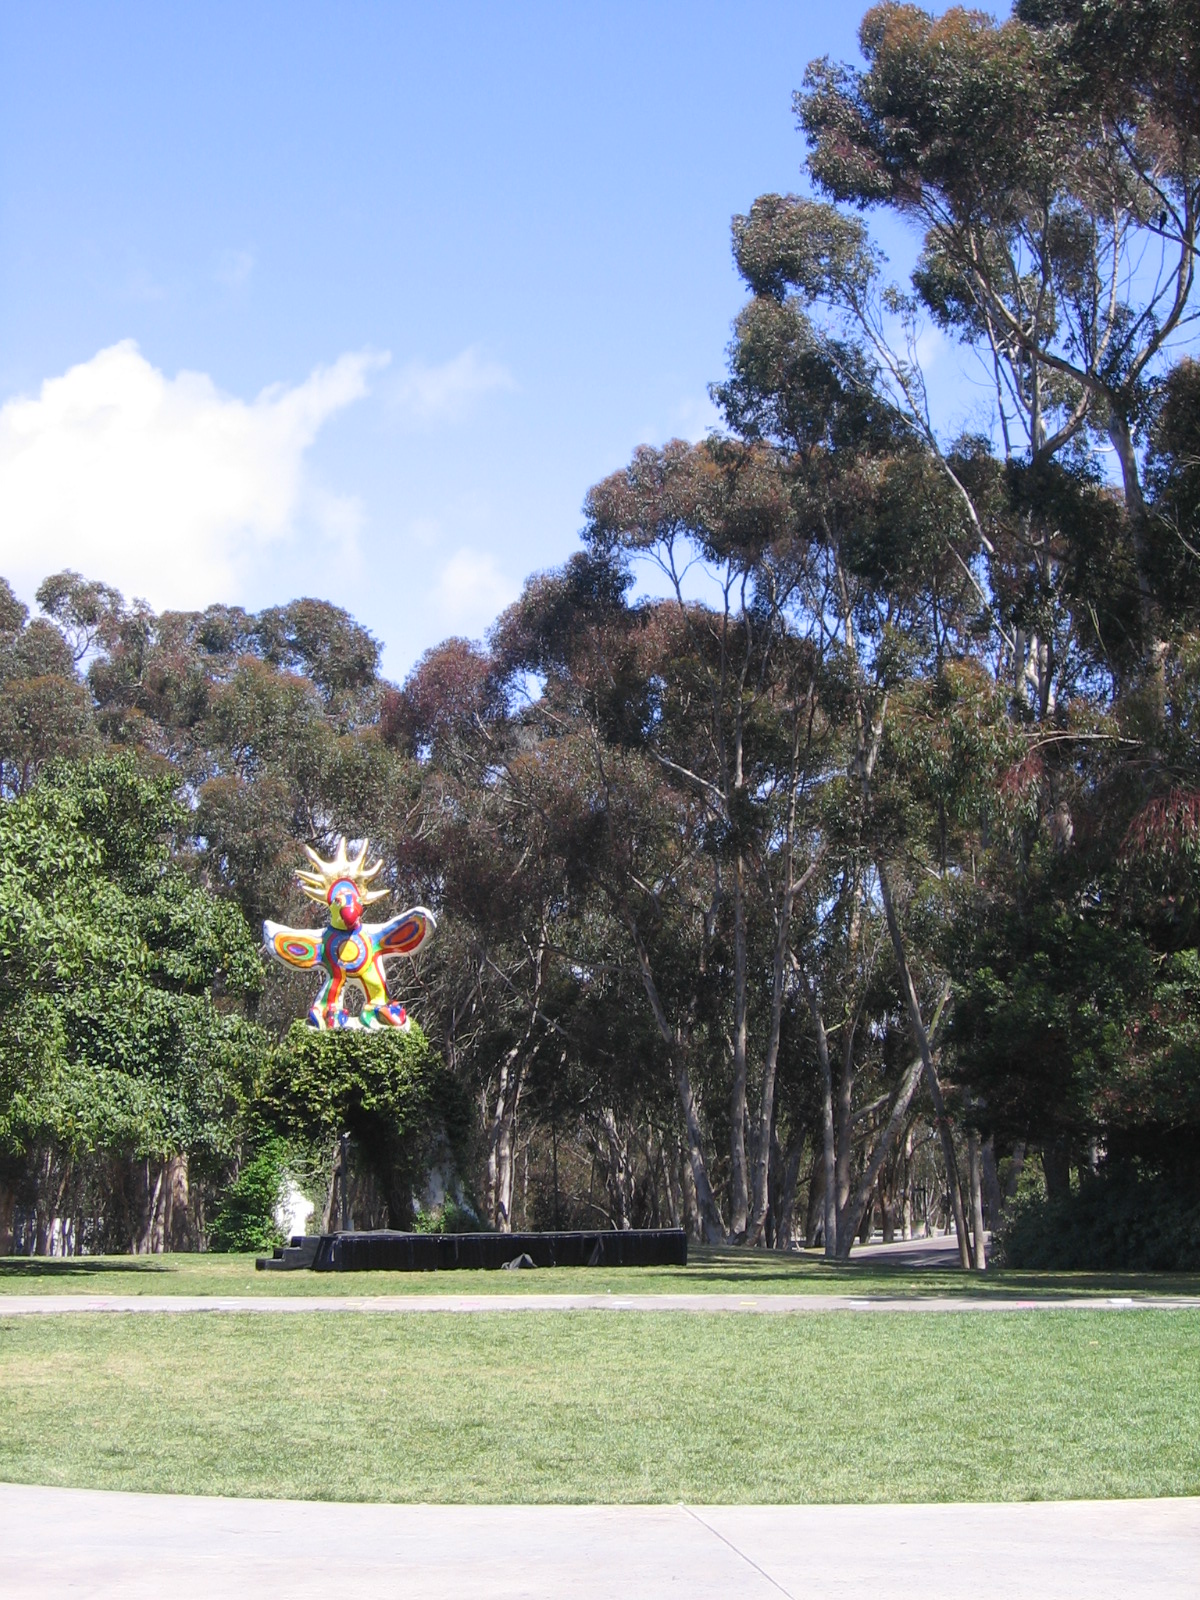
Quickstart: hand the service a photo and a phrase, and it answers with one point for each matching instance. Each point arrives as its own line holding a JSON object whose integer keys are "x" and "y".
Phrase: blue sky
{"x": 358, "y": 300}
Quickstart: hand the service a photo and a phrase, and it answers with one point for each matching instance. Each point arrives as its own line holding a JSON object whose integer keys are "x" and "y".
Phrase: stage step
{"x": 300, "y": 1253}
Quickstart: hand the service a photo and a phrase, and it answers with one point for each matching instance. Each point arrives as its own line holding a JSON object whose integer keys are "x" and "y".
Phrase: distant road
{"x": 941, "y": 1251}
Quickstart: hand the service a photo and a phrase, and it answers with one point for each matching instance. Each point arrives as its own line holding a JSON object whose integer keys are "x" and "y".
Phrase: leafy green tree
{"x": 120, "y": 1037}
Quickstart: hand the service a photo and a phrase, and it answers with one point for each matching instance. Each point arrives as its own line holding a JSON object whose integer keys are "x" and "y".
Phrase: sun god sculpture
{"x": 349, "y": 951}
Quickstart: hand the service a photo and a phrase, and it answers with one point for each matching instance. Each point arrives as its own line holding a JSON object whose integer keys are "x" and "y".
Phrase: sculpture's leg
{"x": 391, "y": 1015}
{"x": 318, "y": 1011}
{"x": 329, "y": 1003}
{"x": 378, "y": 1011}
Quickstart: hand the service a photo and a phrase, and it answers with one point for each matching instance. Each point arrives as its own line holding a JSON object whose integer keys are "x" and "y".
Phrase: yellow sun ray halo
{"x": 316, "y": 885}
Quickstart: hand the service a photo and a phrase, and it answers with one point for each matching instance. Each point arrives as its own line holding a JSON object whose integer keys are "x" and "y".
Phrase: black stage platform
{"x": 384, "y": 1251}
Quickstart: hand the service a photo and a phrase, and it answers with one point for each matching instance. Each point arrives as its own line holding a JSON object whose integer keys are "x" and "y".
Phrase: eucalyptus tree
{"x": 957, "y": 570}
{"x": 880, "y": 511}
{"x": 44, "y": 709}
{"x": 1052, "y": 162}
{"x": 512, "y": 988}
{"x": 736, "y": 733}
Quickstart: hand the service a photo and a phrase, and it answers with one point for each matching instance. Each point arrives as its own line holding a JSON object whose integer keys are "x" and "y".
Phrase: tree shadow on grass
{"x": 746, "y": 1270}
{"x": 19, "y": 1269}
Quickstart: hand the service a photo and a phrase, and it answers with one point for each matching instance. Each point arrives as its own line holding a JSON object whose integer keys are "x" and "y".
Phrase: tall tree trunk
{"x": 814, "y": 1219}
{"x": 505, "y": 1169}
{"x": 975, "y": 1168}
{"x": 500, "y": 1139}
{"x": 329, "y": 1212}
{"x": 933, "y": 1083}
{"x": 844, "y": 1127}
{"x": 785, "y": 1224}
{"x": 739, "y": 1202}
{"x": 1155, "y": 663}
{"x": 8, "y": 1204}
{"x": 620, "y": 1178}
{"x": 671, "y": 1186}
{"x": 712, "y": 1224}
{"x": 828, "y": 1148}
{"x": 906, "y": 1215}
{"x": 61, "y": 1223}
{"x": 849, "y": 1222}
{"x": 51, "y": 1175}
{"x": 178, "y": 1233}
{"x": 692, "y": 1220}
{"x": 149, "y": 1178}
{"x": 502, "y": 1131}
{"x": 991, "y": 1184}
{"x": 766, "y": 1115}
{"x": 783, "y": 925}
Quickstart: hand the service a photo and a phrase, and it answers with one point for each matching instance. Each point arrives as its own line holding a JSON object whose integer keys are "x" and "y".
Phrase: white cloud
{"x": 469, "y": 593}
{"x": 165, "y": 487}
{"x": 427, "y": 393}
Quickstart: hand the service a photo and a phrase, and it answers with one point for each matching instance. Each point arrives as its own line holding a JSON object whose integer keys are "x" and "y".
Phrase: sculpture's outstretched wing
{"x": 403, "y": 935}
{"x": 294, "y": 947}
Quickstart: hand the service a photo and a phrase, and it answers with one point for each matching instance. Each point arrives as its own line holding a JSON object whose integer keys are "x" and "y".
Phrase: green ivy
{"x": 389, "y": 1091}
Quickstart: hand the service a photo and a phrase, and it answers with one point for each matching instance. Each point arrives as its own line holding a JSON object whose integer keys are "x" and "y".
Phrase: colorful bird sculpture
{"x": 350, "y": 952}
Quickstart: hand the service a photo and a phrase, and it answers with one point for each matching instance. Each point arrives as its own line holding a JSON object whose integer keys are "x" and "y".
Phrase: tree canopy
{"x": 816, "y": 848}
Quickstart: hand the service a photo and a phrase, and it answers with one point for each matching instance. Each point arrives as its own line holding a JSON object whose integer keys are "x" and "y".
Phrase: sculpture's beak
{"x": 347, "y": 910}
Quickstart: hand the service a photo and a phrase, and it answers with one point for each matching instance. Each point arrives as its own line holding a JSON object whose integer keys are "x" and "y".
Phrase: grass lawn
{"x": 574, "y": 1407}
{"x": 709, "y": 1271}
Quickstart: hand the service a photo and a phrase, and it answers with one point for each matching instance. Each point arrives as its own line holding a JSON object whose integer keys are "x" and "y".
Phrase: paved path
{"x": 56, "y": 1543}
{"x": 939, "y": 1251}
{"x": 31, "y": 1305}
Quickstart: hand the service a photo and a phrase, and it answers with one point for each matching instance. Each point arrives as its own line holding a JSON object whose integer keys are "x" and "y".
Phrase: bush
{"x": 390, "y": 1091}
{"x": 1123, "y": 1220}
{"x": 245, "y": 1219}
{"x": 452, "y": 1216}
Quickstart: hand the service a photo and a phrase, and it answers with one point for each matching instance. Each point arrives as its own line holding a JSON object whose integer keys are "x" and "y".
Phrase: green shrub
{"x": 1123, "y": 1220}
{"x": 245, "y": 1218}
{"x": 452, "y": 1216}
{"x": 390, "y": 1091}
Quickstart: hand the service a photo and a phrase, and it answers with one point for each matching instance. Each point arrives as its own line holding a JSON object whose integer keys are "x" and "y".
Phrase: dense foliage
{"x": 245, "y": 1219}
{"x": 391, "y": 1094}
{"x": 122, "y": 1051}
{"x": 850, "y": 878}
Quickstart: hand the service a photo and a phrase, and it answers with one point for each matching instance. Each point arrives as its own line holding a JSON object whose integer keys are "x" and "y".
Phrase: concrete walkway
{"x": 33, "y": 1305}
{"x": 56, "y": 1543}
